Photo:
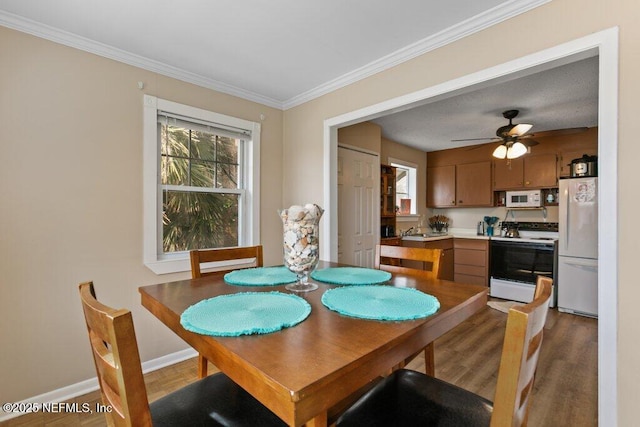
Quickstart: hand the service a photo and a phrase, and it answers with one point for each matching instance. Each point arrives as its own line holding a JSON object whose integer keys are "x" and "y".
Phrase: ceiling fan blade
{"x": 490, "y": 139}
{"x": 519, "y": 130}
{"x": 475, "y": 147}
{"x": 530, "y": 142}
{"x": 555, "y": 132}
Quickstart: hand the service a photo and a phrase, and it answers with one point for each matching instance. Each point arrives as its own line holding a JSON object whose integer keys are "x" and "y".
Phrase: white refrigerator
{"x": 578, "y": 246}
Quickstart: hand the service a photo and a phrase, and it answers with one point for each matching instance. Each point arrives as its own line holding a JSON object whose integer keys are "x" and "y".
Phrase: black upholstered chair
{"x": 409, "y": 398}
{"x": 213, "y": 401}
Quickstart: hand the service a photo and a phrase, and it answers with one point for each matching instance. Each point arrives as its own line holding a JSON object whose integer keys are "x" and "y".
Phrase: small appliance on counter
{"x": 491, "y": 222}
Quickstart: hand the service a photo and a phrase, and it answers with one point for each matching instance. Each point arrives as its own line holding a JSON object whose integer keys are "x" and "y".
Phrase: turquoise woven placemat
{"x": 260, "y": 276}
{"x": 351, "y": 276}
{"x": 380, "y": 302}
{"x": 245, "y": 313}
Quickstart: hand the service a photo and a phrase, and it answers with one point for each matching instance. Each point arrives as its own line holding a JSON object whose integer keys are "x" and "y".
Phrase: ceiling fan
{"x": 515, "y": 141}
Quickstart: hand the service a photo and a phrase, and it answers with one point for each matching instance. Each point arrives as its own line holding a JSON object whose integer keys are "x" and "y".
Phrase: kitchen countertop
{"x": 453, "y": 233}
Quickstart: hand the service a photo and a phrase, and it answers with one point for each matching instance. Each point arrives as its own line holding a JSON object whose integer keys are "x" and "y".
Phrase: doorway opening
{"x": 604, "y": 45}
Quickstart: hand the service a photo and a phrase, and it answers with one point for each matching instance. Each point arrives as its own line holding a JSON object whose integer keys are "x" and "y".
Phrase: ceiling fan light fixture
{"x": 516, "y": 150}
{"x": 500, "y": 152}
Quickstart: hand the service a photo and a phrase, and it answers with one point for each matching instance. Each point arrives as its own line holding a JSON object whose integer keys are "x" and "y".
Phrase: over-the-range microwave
{"x": 524, "y": 199}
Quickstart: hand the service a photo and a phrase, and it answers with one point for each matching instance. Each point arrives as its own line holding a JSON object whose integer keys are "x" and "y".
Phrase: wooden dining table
{"x": 304, "y": 372}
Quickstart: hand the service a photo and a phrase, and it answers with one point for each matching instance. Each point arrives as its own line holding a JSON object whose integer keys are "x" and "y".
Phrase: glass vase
{"x": 300, "y": 243}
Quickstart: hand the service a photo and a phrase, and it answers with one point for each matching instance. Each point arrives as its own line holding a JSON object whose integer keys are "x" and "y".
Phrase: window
{"x": 201, "y": 182}
{"x": 405, "y": 186}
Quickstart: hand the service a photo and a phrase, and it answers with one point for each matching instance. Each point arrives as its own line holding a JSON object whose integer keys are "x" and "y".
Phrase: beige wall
{"x": 71, "y": 191}
{"x": 364, "y": 135}
{"x": 555, "y": 23}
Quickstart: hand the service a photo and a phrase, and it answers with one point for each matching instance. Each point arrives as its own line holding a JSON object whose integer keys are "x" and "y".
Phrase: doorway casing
{"x": 604, "y": 44}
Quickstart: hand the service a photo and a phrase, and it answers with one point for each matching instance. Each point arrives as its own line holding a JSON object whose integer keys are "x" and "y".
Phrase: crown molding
{"x": 472, "y": 25}
{"x": 465, "y": 28}
{"x": 37, "y": 29}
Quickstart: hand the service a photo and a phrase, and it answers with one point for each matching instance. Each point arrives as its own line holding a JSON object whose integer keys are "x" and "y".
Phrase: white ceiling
{"x": 565, "y": 96}
{"x": 285, "y": 52}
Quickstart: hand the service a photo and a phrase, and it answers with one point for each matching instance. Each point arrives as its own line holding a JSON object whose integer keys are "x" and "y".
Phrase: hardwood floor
{"x": 565, "y": 392}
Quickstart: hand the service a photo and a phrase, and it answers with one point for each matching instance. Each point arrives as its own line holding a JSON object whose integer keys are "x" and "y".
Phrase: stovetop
{"x": 532, "y": 226}
{"x": 532, "y": 232}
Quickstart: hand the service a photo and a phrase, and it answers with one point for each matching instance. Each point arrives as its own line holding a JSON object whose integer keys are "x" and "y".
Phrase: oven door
{"x": 522, "y": 261}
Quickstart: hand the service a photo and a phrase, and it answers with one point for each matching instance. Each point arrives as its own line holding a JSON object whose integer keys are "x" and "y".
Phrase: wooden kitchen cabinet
{"x": 473, "y": 184}
{"x": 388, "y": 192}
{"x": 462, "y": 185}
{"x": 441, "y": 186}
{"x": 471, "y": 261}
{"x": 539, "y": 171}
{"x": 508, "y": 174}
{"x": 446, "y": 260}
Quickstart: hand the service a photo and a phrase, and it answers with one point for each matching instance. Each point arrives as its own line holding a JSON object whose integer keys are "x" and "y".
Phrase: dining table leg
{"x": 320, "y": 420}
{"x": 429, "y": 360}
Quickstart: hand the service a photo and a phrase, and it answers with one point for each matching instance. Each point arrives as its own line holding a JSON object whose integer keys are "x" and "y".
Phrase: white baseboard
{"x": 87, "y": 386}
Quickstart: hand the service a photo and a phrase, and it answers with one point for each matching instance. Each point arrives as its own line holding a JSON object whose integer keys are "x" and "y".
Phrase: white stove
{"x": 517, "y": 261}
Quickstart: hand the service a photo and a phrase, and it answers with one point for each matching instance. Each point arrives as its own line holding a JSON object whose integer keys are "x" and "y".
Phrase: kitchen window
{"x": 201, "y": 183}
{"x": 405, "y": 186}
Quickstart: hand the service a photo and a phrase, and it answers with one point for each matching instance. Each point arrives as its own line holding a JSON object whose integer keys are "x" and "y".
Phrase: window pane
{"x": 228, "y": 149}
{"x": 227, "y": 176}
{"x": 203, "y": 146}
{"x": 198, "y": 159}
{"x": 402, "y": 181}
{"x": 202, "y": 174}
{"x": 199, "y": 220}
{"x": 174, "y": 171}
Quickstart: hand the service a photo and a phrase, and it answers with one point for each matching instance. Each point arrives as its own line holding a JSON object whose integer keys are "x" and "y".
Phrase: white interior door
{"x": 358, "y": 220}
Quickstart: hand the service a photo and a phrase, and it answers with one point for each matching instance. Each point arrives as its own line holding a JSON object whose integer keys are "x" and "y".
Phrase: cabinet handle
{"x": 459, "y": 201}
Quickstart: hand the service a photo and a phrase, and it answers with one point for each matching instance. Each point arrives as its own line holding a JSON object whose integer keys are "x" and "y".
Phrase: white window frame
{"x": 413, "y": 181}
{"x": 249, "y": 213}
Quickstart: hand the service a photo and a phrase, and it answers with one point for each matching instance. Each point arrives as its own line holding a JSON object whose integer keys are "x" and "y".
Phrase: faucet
{"x": 407, "y": 232}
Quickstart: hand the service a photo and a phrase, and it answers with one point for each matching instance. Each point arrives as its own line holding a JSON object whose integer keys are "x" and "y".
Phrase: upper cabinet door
{"x": 508, "y": 174}
{"x": 473, "y": 184}
{"x": 540, "y": 171}
{"x": 441, "y": 186}
{"x": 537, "y": 171}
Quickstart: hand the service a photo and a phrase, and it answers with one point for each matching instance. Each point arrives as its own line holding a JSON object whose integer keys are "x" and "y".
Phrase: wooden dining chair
{"x": 390, "y": 258}
{"x": 201, "y": 256}
{"x": 427, "y": 257}
{"x": 407, "y": 398}
{"x": 213, "y": 401}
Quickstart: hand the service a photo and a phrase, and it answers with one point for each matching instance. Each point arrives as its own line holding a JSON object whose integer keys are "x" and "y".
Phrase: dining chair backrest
{"x": 424, "y": 255}
{"x": 115, "y": 353}
{"x": 201, "y": 256}
{"x": 519, "y": 360}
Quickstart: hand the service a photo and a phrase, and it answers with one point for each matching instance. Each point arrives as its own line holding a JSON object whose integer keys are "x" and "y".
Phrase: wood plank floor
{"x": 565, "y": 392}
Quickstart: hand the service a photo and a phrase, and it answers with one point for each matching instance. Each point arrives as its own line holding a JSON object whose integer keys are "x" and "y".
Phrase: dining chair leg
{"x": 429, "y": 360}
{"x": 202, "y": 366}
